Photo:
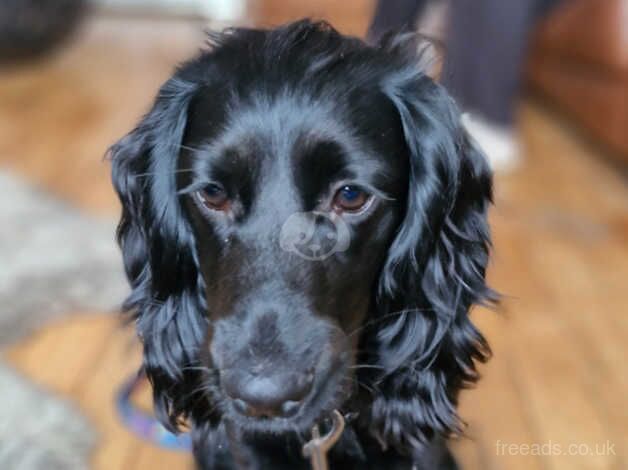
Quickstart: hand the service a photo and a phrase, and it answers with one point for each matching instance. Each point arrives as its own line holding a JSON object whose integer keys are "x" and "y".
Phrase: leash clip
{"x": 318, "y": 447}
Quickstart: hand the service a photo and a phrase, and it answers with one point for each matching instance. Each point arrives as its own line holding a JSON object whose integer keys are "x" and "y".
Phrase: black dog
{"x": 304, "y": 228}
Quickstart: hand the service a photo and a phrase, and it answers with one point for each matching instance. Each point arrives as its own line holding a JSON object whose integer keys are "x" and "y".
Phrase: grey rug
{"x": 54, "y": 259}
{"x": 40, "y": 432}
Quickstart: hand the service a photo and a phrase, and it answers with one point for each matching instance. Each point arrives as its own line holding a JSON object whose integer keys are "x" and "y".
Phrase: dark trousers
{"x": 485, "y": 47}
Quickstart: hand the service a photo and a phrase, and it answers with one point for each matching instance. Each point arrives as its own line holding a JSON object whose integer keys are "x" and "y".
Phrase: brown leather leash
{"x": 317, "y": 448}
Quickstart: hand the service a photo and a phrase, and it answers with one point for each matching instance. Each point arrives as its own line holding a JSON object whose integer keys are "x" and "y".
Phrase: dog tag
{"x": 317, "y": 448}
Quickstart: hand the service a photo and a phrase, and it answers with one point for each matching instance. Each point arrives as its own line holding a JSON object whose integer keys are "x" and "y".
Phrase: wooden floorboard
{"x": 560, "y": 226}
{"x": 60, "y": 357}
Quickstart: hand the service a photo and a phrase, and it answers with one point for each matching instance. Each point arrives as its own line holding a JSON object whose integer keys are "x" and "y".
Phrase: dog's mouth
{"x": 327, "y": 395}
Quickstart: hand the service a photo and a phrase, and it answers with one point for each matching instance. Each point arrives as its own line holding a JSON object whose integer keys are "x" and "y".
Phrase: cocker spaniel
{"x": 304, "y": 228}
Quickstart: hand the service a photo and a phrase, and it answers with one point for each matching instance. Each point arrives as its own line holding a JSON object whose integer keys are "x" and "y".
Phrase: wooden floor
{"x": 559, "y": 375}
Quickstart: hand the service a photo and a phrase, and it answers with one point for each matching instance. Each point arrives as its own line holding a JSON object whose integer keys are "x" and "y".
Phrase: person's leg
{"x": 485, "y": 47}
{"x": 485, "y": 53}
{"x": 394, "y": 15}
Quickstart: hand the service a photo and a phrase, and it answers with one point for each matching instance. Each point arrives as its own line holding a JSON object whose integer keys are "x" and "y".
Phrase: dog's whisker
{"x": 366, "y": 387}
{"x": 299, "y": 435}
{"x": 187, "y": 147}
{"x": 199, "y": 368}
{"x": 172, "y": 172}
{"x": 388, "y": 316}
{"x": 154, "y": 302}
{"x": 366, "y": 366}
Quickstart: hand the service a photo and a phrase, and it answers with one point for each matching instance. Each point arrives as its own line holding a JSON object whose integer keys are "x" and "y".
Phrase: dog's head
{"x": 303, "y": 218}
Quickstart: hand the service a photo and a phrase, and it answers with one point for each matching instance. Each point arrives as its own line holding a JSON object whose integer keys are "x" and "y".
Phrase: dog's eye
{"x": 214, "y": 197}
{"x": 350, "y": 198}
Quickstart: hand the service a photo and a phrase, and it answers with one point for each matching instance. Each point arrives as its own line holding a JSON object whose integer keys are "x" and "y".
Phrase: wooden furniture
{"x": 579, "y": 59}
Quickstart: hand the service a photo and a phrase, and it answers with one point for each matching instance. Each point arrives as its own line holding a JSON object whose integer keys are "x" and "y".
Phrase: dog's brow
{"x": 152, "y": 173}
{"x": 316, "y": 166}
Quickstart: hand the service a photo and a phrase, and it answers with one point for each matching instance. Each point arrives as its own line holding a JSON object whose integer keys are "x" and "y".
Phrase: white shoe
{"x": 223, "y": 11}
{"x": 499, "y": 143}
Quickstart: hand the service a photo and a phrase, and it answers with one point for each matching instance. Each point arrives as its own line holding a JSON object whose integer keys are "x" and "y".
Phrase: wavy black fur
{"x": 415, "y": 329}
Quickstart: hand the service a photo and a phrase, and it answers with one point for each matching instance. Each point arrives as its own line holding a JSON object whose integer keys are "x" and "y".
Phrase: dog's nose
{"x": 268, "y": 396}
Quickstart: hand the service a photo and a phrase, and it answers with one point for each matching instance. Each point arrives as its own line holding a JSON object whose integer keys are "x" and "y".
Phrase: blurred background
{"x": 545, "y": 85}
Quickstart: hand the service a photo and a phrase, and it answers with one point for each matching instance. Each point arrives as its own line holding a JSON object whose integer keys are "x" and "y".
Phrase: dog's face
{"x": 303, "y": 213}
{"x": 293, "y": 202}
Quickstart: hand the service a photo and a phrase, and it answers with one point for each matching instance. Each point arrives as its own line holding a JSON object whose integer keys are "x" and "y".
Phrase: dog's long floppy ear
{"x": 158, "y": 252}
{"x": 435, "y": 272}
